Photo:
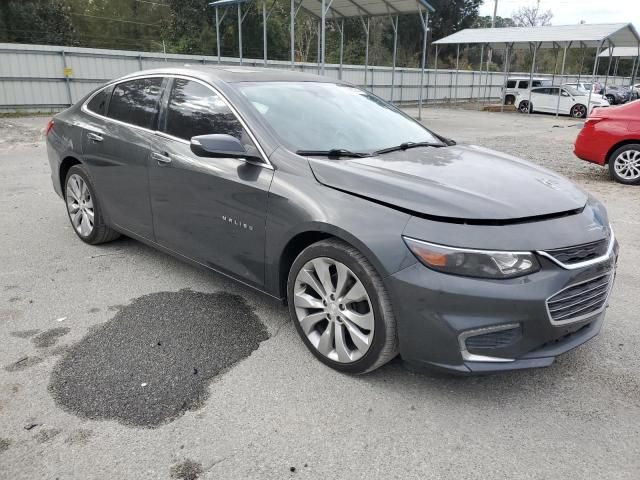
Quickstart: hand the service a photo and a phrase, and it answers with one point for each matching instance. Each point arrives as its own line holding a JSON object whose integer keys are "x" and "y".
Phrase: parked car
{"x": 595, "y": 87}
{"x": 567, "y": 100}
{"x": 616, "y": 94}
{"x": 611, "y": 137}
{"x": 517, "y": 85}
{"x": 585, "y": 87}
{"x": 382, "y": 236}
{"x": 636, "y": 91}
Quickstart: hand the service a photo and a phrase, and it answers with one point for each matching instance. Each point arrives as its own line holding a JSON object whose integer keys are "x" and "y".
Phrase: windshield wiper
{"x": 408, "y": 145}
{"x": 333, "y": 153}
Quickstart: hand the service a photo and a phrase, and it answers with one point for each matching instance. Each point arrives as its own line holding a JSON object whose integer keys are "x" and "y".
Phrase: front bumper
{"x": 437, "y": 311}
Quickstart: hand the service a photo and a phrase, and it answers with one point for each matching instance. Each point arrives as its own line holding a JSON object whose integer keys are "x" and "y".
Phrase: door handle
{"x": 94, "y": 137}
{"x": 160, "y": 157}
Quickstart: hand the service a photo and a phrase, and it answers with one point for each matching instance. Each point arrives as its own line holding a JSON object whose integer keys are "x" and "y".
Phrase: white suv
{"x": 517, "y": 85}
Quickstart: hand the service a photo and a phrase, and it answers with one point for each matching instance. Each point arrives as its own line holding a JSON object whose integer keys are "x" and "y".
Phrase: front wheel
{"x": 611, "y": 99}
{"x": 341, "y": 308}
{"x": 524, "y": 107}
{"x": 624, "y": 164}
{"x": 578, "y": 111}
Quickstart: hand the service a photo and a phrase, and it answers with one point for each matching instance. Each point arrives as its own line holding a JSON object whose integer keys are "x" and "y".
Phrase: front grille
{"x": 581, "y": 300}
{"x": 498, "y": 339}
{"x": 580, "y": 253}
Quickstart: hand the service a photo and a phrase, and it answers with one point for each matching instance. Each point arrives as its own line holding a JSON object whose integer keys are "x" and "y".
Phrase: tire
{"x": 337, "y": 348}
{"x": 81, "y": 206}
{"x": 626, "y": 156}
{"x": 578, "y": 111}
{"x": 611, "y": 99}
{"x": 524, "y": 107}
{"x": 509, "y": 100}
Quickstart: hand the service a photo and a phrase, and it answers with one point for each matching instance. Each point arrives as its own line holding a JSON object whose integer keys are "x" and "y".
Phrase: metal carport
{"x": 337, "y": 11}
{"x": 620, "y": 53}
{"x": 561, "y": 36}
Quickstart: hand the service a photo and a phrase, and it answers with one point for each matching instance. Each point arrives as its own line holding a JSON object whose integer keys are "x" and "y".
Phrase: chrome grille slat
{"x": 580, "y": 300}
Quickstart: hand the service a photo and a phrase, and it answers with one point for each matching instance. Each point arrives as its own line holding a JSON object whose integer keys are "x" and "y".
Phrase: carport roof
{"x": 623, "y": 52}
{"x": 588, "y": 35}
{"x": 352, "y": 8}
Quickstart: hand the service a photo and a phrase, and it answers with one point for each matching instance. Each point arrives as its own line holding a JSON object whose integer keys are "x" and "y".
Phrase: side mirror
{"x": 218, "y": 146}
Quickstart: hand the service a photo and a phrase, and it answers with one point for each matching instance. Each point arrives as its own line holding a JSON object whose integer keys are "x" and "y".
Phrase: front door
{"x": 212, "y": 210}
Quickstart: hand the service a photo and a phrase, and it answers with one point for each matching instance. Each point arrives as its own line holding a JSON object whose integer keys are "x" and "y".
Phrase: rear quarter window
{"x": 136, "y": 102}
{"x": 98, "y": 103}
{"x": 511, "y": 84}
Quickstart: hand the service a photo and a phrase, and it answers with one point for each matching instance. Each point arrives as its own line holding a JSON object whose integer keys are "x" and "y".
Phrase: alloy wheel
{"x": 627, "y": 165}
{"x": 80, "y": 205}
{"x": 579, "y": 111}
{"x": 334, "y": 310}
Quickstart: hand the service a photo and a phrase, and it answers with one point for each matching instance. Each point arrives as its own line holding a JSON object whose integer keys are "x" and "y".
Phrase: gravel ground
{"x": 83, "y": 328}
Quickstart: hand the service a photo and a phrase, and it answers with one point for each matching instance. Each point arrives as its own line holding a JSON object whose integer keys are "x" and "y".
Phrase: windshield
{"x": 325, "y": 116}
{"x": 574, "y": 91}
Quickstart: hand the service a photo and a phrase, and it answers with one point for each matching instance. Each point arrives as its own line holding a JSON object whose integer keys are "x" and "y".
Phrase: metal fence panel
{"x": 44, "y": 77}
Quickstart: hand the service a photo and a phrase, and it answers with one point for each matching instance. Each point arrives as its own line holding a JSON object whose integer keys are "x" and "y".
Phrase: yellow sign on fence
{"x": 68, "y": 72}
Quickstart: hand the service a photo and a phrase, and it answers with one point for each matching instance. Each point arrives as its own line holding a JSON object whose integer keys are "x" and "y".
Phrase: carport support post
{"x": 457, "y": 69}
{"x": 394, "y": 24}
{"x": 507, "y": 65}
{"x": 218, "y": 34}
{"x": 606, "y": 78}
{"x": 533, "y": 66}
{"x": 264, "y": 30}
{"x": 564, "y": 61}
{"x": 435, "y": 75}
{"x": 595, "y": 72}
{"x": 341, "y": 48}
{"x": 292, "y": 33}
{"x": 480, "y": 81}
{"x": 423, "y": 64}
{"x": 322, "y": 36}
{"x": 240, "y": 32}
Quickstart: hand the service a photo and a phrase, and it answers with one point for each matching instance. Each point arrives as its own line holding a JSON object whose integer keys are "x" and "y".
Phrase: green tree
{"x": 36, "y": 21}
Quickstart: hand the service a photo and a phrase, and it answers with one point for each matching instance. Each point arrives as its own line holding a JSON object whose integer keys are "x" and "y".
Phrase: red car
{"x": 612, "y": 136}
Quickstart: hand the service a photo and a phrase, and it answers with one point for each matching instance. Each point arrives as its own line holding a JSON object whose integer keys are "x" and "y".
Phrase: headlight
{"x": 473, "y": 263}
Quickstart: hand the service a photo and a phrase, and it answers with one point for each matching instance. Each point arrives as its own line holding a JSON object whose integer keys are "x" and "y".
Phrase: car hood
{"x": 456, "y": 183}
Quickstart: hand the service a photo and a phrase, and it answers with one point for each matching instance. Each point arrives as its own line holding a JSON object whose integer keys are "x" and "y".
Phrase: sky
{"x": 568, "y": 12}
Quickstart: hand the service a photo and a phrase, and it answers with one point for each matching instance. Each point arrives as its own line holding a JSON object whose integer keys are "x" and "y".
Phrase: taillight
{"x": 48, "y": 128}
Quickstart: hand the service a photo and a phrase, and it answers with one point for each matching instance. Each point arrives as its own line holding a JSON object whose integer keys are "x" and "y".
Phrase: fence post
{"x": 66, "y": 77}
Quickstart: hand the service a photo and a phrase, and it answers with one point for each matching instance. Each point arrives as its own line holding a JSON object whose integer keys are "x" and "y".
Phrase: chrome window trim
{"x": 472, "y": 357}
{"x": 586, "y": 263}
{"x": 267, "y": 164}
{"x": 610, "y": 278}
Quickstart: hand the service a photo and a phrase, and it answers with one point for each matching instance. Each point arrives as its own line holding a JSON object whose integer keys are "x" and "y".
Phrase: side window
{"x": 554, "y": 91}
{"x": 524, "y": 84}
{"x": 511, "y": 84}
{"x": 537, "y": 83}
{"x": 98, "y": 103}
{"x": 136, "y": 102}
{"x": 194, "y": 110}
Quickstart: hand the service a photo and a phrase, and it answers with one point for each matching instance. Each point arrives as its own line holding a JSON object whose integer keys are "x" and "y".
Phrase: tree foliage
{"x": 36, "y": 21}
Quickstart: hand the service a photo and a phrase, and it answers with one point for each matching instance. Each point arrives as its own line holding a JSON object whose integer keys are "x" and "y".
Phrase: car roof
{"x": 527, "y": 78}
{"x": 231, "y": 74}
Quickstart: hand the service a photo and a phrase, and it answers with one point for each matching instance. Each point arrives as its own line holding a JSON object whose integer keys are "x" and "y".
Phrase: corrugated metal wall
{"x": 32, "y": 77}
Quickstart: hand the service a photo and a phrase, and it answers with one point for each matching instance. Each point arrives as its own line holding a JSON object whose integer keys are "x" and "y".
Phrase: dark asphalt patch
{"x": 46, "y": 434}
{"x": 50, "y": 337}
{"x": 187, "y": 470}
{"x": 155, "y": 358}
{"x": 23, "y": 363}
{"x": 24, "y": 333}
{"x": 5, "y": 443}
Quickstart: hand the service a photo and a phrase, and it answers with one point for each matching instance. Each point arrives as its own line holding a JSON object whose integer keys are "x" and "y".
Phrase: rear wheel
{"x": 340, "y": 308}
{"x": 578, "y": 111}
{"x": 83, "y": 208}
{"x": 624, "y": 164}
{"x": 524, "y": 107}
{"x": 611, "y": 99}
{"x": 509, "y": 100}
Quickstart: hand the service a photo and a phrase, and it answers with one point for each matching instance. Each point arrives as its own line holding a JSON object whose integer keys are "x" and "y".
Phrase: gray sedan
{"x": 382, "y": 237}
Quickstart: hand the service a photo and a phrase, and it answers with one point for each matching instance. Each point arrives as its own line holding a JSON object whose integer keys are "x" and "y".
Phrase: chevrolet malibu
{"x": 382, "y": 237}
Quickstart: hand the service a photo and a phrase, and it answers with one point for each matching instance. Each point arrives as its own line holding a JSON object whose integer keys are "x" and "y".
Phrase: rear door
{"x": 212, "y": 210}
{"x": 116, "y": 147}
